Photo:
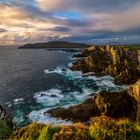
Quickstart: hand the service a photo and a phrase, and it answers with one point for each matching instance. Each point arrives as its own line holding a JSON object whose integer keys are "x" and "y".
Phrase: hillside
{"x": 54, "y": 44}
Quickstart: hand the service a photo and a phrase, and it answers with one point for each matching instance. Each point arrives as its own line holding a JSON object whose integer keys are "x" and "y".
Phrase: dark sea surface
{"x": 33, "y": 81}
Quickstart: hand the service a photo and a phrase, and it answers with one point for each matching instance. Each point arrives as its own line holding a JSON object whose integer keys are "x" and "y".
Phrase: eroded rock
{"x": 120, "y": 62}
{"x": 112, "y": 104}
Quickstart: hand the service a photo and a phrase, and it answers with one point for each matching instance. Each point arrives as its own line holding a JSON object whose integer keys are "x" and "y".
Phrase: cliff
{"x": 118, "y": 61}
{"x": 112, "y": 104}
{"x": 107, "y": 116}
{"x": 54, "y": 44}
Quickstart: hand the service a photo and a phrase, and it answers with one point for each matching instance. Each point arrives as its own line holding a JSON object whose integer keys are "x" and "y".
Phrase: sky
{"x": 88, "y": 21}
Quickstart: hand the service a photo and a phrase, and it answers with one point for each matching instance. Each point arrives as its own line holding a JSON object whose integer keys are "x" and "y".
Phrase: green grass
{"x": 109, "y": 129}
{"x": 5, "y": 131}
{"x": 100, "y": 128}
{"x": 35, "y": 132}
{"x": 48, "y": 132}
{"x": 133, "y": 47}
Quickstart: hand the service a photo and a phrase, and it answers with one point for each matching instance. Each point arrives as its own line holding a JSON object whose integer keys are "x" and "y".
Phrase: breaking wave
{"x": 54, "y": 98}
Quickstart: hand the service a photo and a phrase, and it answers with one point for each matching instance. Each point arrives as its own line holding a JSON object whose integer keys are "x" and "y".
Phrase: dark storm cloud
{"x": 61, "y": 29}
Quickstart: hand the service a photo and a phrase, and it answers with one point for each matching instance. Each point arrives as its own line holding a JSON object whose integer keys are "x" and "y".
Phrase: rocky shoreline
{"x": 111, "y": 104}
{"x": 121, "y": 63}
{"x": 112, "y": 114}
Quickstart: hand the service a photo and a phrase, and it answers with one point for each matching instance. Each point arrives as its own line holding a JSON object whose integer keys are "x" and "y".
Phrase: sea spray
{"x": 54, "y": 98}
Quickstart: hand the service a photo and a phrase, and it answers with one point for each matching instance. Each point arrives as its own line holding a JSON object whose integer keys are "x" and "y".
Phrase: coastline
{"x": 103, "y": 105}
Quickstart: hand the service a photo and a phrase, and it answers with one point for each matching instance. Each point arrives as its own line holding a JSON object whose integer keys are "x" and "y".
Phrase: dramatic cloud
{"x": 92, "y": 21}
{"x": 85, "y": 5}
{"x": 2, "y": 30}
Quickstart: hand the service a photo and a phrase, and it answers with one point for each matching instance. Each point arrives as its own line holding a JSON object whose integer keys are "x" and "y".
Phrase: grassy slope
{"x": 133, "y": 47}
{"x": 101, "y": 128}
{"x": 5, "y": 131}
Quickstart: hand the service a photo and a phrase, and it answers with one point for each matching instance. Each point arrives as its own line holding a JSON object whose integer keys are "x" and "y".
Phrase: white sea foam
{"x": 9, "y": 104}
{"x": 54, "y": 98}
{"x": 65, "y": 72}
{"x": 57, "y": 70}
{"x": 18, "y": 99}
{"x": 61, "y": 51}
{"x": 41, "y": 117}
{"x": 72, "y": 58}
{"x": 70, "y": 65}
{"x": 50, "y": 97}
{"x": 104, "y": 82}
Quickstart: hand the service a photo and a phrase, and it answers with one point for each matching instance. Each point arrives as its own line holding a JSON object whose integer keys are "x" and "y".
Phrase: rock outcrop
{"x": 4, "y": 115}
{"x": 134, "y": 91}
{"x": 118, "y": 61}
{"x": 115, "y": 105}
{"x": 6, "y": 124}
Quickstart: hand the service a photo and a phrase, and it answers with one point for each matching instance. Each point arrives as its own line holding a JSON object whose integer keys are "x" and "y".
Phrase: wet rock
{"x": 54, "y": 96}
{"x": 82, "y": 112}
{"x": 112, "y": 104}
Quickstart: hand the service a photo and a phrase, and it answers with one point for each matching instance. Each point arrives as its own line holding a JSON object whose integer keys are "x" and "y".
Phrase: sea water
{"x": 34, "y": 81}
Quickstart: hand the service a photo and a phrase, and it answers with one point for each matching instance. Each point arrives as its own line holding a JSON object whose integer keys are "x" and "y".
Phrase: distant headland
{"x": 54, "y": 44}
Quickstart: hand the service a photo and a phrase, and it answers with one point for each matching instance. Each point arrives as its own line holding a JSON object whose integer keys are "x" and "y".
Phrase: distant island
{"x": 54, "y": 44}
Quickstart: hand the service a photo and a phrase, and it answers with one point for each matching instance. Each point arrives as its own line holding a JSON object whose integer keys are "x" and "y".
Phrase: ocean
{"x": 33, "y": 81}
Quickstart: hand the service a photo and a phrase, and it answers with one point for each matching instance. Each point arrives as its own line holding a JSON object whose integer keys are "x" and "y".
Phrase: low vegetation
{"x": 5, "y": 130}
{"x": 133, "y": 47}
{"x": 105, "y": 128}
{"x": 100, "y": 128}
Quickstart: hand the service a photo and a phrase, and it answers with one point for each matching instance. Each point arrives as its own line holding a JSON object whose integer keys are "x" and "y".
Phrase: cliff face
{"x": 120, "y": 62}
{"x": 134, "y": 91}
{"x": 139, "y": 58}
{"x": 115, "y": 105}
